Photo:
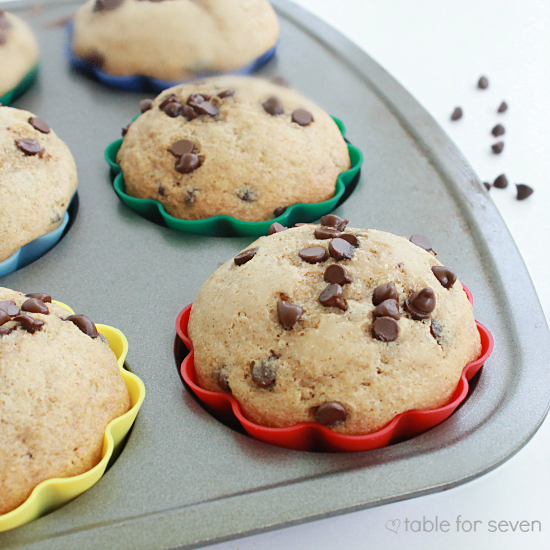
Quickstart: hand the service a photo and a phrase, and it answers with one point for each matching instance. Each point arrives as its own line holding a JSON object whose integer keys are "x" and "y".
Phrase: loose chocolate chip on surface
{"x": 28, "y": 323}
{"x": 223, "y": 380}
{"x": 523, "y": 191}
{"x": 314, "y": 254}
{"x": 276, "y": 228}
{"x": 273, "y": 106}
{"x": 436, "y": 330}
{"x": 337, "y": 274}
{"x": 446, "y": 276}
{"x": 39, "y": 124}
{"x": 189, "y": 113}
{"x": 34, "y": 305}
{"x": 501, "y": 182}
{"x": 352, "y": 239}
{"x": 85, "y": 324}
{"x": 9, "y": 307}
{"x": 247, "y": 194}
{"x": 279, "y": 211}
{"x": 245, "y": 256}
{"x": 332, "y": 220}
{"x": 422, "y": 241}
{"x": 206, "y": 108}
{"x": 340, "y": 249}
{"x": 145, "y": 105}
{"x": 388, "y": 308}
{"x": 264, "y": 375}
{"x": 483, "y": 83}
{"x": 487, "y": 185}
{"x": 28, "y": 146}
{"x": 4, "y": 331}
{"x": 289, "y": 314}
{"x": 181, "y": 147}
{"x": 173, "y": 109}
{"x": 420, "y": 304}
{"x": 302, "y": 117}
{"x": 503, "y": 107}
{"x": 384, "y": 292}
{"x": 323, "y": 233}
{"x": 498, "y": 130}
{"x": 385, "y": 329}
{"x": 332, "y": 297}
{"x": 4, "y": 317}
{"x": 330, "y": 413}
{"x": 227, "y": 93}
{"x": 188, "y": 163}
{"x": 498, "y": 147}
{"x": 457, "y": 114}
{"x": 106, "y": 5}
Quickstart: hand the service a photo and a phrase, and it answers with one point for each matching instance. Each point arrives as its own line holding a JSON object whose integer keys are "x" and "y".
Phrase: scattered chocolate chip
{"x": 34, "y": 305}
{"x": 446, "y": 276}
{"x": 247, "y": 194}
{"x": 125, "y": 129}
{"x": 436, "y": 330}
{"x": 487, "y": 185}
{"x": 330, "y": 413}
{"x": 227, "y": 93}
{"x": 95, "y": 59}
{"x": 29, "y": 146}
{"x": 145, "y": 105}
{"x": 273, "y": 106}
{"x": 332, "y": 297}
{"x": 501, "y": 182}
{"x": 340, "y": 249}
{"x": 289, "y": 314}
{"x": 420, "y": 304}
{"x": 187, "y": 163}
{"x": 39, "y": 124}
{"x": 280, "y": 81}
{"x": 523, "y": 191}
{"x": 191, "y": 195}
{"x": 498, "y": 130}
{"x": 332, "y": 220}
{"x": 352, "y": 239}
{"x": 457, "y": 114}
{"x": 106, "y": 5}
{"x": 189, "y": 113}
{"x": 85, "y": 324}
{"x": 245, "y": 256}
{"x": 503, "y": 107}
{"x": 498, "y": 147}
{"x": 4, "y": 317}
{"x": 28, "y": 323}
{"x": 388, "y": 308}
{"x": 223, "y": 380}
{"x": 168, "y": 99}
{"x": 314, "y": 254}
{"x": 337, "y": 274}
{"x": 421, "y": 241}
{"x": 162, "y": 191}
{"x": 302, "y": 117}
{"x": 279, "y": 211}
{"x": 264, "y": 375}
{"x": 181, "y": 147}
{"x": 483, "y": 83}
{"x": 9, "y": 307}
{"x": 384, "y": 292}
{"x": 385, "y": 329}
{"x": 173, "y": 109}
{"x": 323, "y": 233}
{"x": 206, "y": 108}
{"x": 276, "y": 228}
{"x": 4, "y": 331}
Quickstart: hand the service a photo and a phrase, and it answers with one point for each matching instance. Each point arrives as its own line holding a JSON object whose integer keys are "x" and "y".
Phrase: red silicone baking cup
{"x": 312, "y": 436}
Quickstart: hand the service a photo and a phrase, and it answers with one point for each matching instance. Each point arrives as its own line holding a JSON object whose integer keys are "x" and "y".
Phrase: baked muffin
{"x": 37, "y": 179}
{"x": 18, "y": 51}
{"x": 346, "y": 327}
{"x": 60, "y": 386}
{"x": 173, "y": 40}
{"x": 239, "y": 146}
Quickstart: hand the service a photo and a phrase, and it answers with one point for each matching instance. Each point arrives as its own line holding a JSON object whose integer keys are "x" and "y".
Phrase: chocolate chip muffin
{"x": 60, "y": 386}
{"x": 173, "y": 40}
{"x": 346, "y": 327}
{"x": 239, "y": 146}
{"x": 37, "y": 179}
{"x": 18, "y": 51}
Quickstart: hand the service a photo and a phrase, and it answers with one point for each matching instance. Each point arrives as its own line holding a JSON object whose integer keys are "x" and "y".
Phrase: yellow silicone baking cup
{"x": 54, "y": 493}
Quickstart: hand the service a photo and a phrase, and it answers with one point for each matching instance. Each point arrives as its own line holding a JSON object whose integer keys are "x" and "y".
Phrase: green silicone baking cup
{"x": 228, "y": 226}
{"x": 21, "y": 88}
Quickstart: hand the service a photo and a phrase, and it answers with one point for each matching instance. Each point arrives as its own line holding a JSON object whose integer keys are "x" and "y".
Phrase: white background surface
{"x": 438, "y": 49}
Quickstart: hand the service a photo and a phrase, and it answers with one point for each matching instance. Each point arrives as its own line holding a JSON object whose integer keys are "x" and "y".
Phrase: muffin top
{"x": 347, "y": 327}
{"x": 60, "y": 386}
{"x": 18, "y": 51}
{"x": 239, "y": 146}
{"x": 37, "y": 179}
{"x": 173, "y": 40}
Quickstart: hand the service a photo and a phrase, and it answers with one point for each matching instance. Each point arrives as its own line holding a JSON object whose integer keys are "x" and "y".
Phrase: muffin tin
{"x": 184, "y": 479}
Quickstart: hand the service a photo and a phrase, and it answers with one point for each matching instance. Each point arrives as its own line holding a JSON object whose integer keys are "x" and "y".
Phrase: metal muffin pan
{"x": 186, "y": 480}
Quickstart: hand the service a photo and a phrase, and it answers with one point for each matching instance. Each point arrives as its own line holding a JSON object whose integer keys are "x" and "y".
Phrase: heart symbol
{"x": 393, "y": 525}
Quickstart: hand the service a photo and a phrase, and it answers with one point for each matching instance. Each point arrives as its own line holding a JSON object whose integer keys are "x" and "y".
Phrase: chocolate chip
{"x": 279, "y": 211}
{"x": 95, "y": 59}
{"x": 4, "y": 317}
{"x": 187, "y": 163}
{"x": 191, "y": 195}
{"x": 498, "y": 147}
{"x": 106, "y": 5}
{"x": 34, "y": 305}
{"x": 189, "y": 113}
{"x": 206, "y": 108}
{"x": 421, "y": 241}
{"x": 227, "y": 93}
{"x": 302, "y": 117}
{"x": 168, "y": 99}
{"x": 223, "y": 379}
{"x": 384, "y": 292}
{"x": 289, "y": 314}
{"x": 276, "y": 228}
{"x": 523, "y": 191}
{"x": 9, "y": 307}
{"x": 245, "y": 256}
{"x": 436, "y": 330}
{"x": 421, "y": 304}
{"x": 273, "y": 106}
{"x": 483, "y": 83}
{"x": 28, "y": 323}
{"x": 162, "y": 190}
{"x": 340, "y": 249}
{"x": 322, "y": 233}
{"x": 498, "y": 130}
{"x": 457, "y": 114}
{"x": 332, "y": 220}
{"x": 85, "y": 324}
{"x": 487, "y": 185}
{"x": 446, "y": 276}
{"x": 385, "y": 329}
{"x": 332, "y": 297}
{"x": 181, "y": 147}
{"x": 264, "y": 375}
{"x": 29, "y": 146}
{"x": 330, "y": 413}
{"x": 39, "y": 125}
{"x": 145, "y": 105}
{"x": 503, "y": 107}
{"x": 173, "y": 109}
{"x": 280, "y": 81}
{"x": 197, "y": 99}
{"x": 314, "y": 254}
{"x": 352, "y": 239}
{"x": 337, "y": 274}
{"x": 4, "y": 331}
{"x": 501, "y": 182}
{"x": 388, "y": 308}
{"x": 125, "y": 129}
{"x": 247, "y": 194}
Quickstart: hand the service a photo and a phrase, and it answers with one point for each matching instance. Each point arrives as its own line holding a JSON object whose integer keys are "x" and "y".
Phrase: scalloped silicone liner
{"x": 228, "y": 226}
{"x": 21, "y": 88}
{"x": 312, "y": 436}
{"x": 54, "y": 493}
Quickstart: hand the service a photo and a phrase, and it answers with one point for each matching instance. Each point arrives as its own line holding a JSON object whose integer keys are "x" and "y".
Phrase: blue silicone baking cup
{"x": 140, "y": 83}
